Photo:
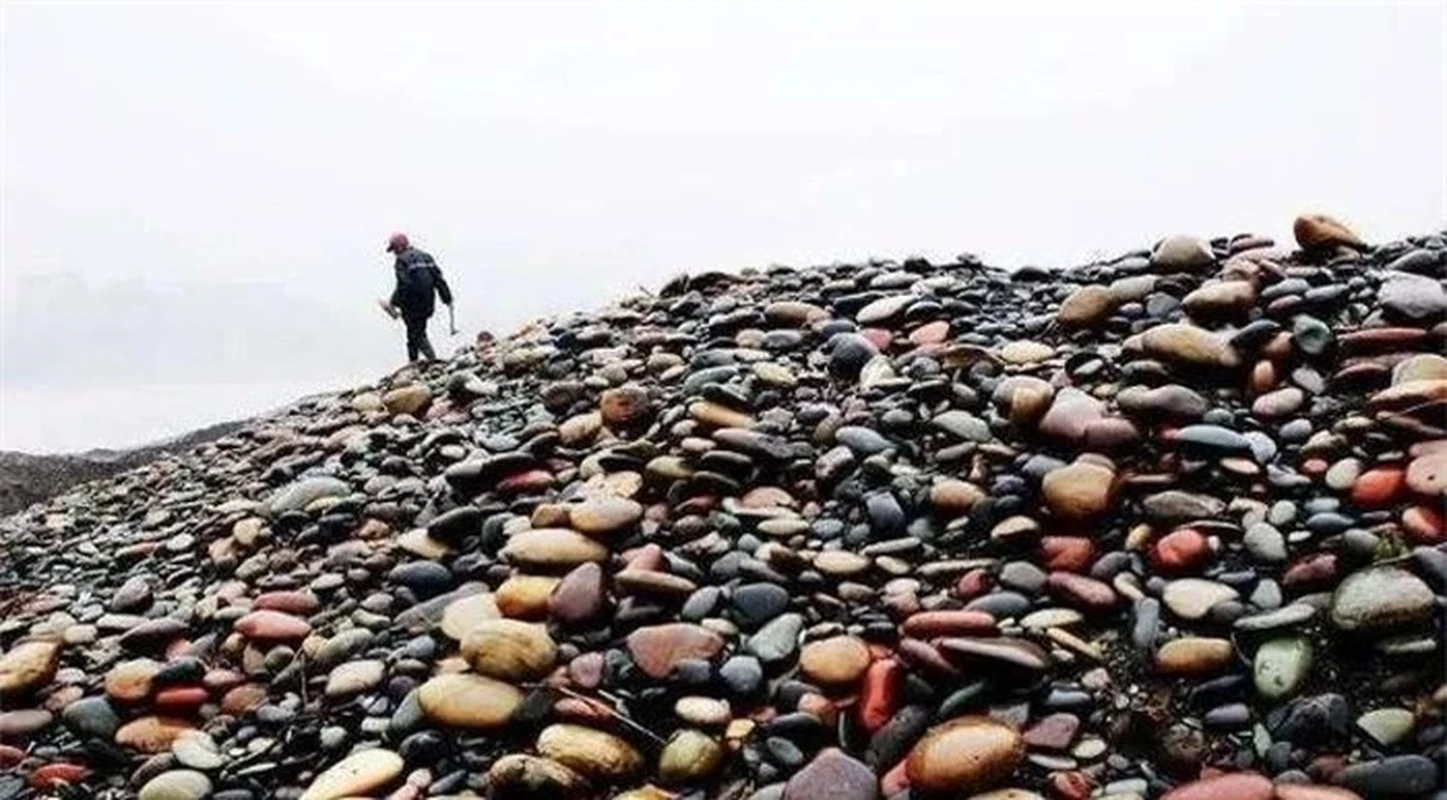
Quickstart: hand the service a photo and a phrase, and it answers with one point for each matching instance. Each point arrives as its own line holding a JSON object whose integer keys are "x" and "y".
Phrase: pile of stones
{"x": 1165, "y": 526}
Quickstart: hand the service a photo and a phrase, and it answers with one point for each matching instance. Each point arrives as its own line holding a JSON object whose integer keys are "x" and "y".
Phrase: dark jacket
{"x": 418, "y": 278}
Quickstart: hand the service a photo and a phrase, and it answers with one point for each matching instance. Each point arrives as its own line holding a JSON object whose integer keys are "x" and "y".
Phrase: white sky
{"x": 554, "y": 155}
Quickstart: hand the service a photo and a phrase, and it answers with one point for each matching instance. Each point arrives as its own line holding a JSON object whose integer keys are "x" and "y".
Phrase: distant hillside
{"x": 27, "y": 479}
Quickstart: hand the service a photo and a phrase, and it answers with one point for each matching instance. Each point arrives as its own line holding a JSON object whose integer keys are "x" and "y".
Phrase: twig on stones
{"x": 611, "y": 711}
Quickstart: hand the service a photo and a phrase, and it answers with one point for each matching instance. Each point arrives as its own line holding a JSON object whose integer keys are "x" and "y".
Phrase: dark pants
{"x": 417, "y": 338}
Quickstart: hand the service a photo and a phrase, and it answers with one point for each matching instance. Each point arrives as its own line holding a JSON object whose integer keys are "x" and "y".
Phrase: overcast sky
{"x": 554, "y": 155}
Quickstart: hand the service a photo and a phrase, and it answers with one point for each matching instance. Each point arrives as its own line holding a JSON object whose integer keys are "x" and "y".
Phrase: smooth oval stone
{"x": 131, "y": 682}
{"x": 836, "y": 661}
{"x": 304, "y": 492}
{"x": 197, "y": 750}
{"x": 509, "y": 650}
{"x": 272, "y": 626}
{"x": 1427, "y": 474}
{"x": 552, "y": 549}
{"x": 1380, "y": 598}
{"x": 462, "y": 614}
{"x": 1394, "y": 776}
{"x": 1080, "y": 491}
{"x": 20, "y": 725}
{"x": 1193, "y": 598}
{"x": 355, "y": 677}
{"x": 92, "y": 716}
{"x": 28, "y": 665}
{"x": 468, "y": 701}
{"x": 177, "y": 784}
{"x": 605, "y": 515}
{"x": 523, "y": 776}
{"x": 968, "y": 754}
{"x": 1235, "y": 786}
{"x": 688, "y": 756}
{"x": 1194, "y": 655}
{"x": 1017, "y": 652}
{"x": 361, "y": 773}
{"x": 153, "y": 734}
{"x": 1284, "y": 617}
{"x": 778, "y": 639}
{"x": 1086, "y": 306}
{"x": 1281, "y": 665}
{"x": 589, "y": 752}
{"x": 658, "y": 649}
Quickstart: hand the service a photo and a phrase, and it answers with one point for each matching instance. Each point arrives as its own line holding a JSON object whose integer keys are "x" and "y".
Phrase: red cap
{"x": 398, "y": 241}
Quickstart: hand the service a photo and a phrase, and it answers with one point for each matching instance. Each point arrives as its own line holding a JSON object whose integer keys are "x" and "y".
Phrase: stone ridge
{"x": 1168, "y": 526}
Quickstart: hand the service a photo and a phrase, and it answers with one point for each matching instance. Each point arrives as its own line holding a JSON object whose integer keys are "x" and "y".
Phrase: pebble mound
{"x": 1165, "y": 526}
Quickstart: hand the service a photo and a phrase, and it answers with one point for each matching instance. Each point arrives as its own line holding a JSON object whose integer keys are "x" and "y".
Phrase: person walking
{"x": 418, "y": 280}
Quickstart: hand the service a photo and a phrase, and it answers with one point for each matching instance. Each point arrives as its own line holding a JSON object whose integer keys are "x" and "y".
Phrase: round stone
{"x": 152, "y": 734}
{"x": 1380, "y": 598}
{"x": 355, "y": 677}
{"x": 1194, "y": 656}
{"x": 688, "y": 756}
{"x": 1427, "y": 474}
{"x": 968, "y": 754}
{"x": 1086, "y": 307}
{"x": 1193, "y": 598}
{"x": 552, "y": 549}
{"x": 27, "y": 666}
{"x": 468, "y": 701}
{"x": 523, "y": 776}
{"x": 177, "y": 784}
{"x": 362, "y": 773}
{"x": 606, "y": 514}
{"x": 510, "y": 650}
{"x": 658, "y": 649}
{"x": 1080, "y": 491}
{"x": 462, "y": 614}
{"x": 1234, "y": 786}
{"x": 129, "y": 682}
{"x": 272, "y": 626}
{"x": 1281, "y": 665}
{"x": 836, "y": 661}
{"x": 589, "y": 752}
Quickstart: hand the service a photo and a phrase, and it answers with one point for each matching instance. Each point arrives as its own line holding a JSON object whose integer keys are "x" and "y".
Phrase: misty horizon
{"x": 217, "y": 181}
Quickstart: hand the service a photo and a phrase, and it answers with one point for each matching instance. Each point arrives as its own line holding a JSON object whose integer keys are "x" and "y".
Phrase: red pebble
{"x": 880, "y": 338}
{"x": 930, "y": 333}
{"x": 1074, "y": 785}
{"x": 55, "y": 776}
{"x": 1082, "y": 592}
{"x": 1181, "y": 550}
{"x": 534, "y": 480}
{"x": 302, "y": 604}
{"x": 1236, "y": 786}
{"x": 879, "y": 696}
{"x": 271, "y": 626}
{"x": 972, "y": 584}
{"x": 1424, "y": 525}
{"x": 1067, "y": 553}
{"x": 181, "y": 698}
{"x": 1314, "y": 570}
{"x": 1379, "y": 487}
{"x": 648, "y": 557}
{"x": 10, "y": 756}
{"x": 932, "y": 624}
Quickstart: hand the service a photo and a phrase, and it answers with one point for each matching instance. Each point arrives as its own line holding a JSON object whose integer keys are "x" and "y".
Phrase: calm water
{"x": 62, "y": 420}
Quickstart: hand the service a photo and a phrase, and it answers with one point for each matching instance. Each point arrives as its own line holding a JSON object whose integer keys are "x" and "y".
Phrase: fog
{"x": 196, "y": 197}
